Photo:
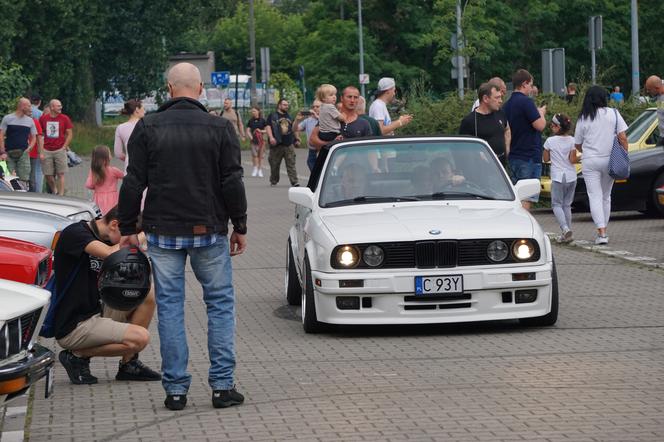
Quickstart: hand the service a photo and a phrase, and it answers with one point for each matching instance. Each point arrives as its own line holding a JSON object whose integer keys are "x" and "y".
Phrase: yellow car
{"x": 641, "y": 134}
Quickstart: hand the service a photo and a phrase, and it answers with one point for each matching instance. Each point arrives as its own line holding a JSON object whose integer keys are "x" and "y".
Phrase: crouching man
{"x": 83, "y": 326}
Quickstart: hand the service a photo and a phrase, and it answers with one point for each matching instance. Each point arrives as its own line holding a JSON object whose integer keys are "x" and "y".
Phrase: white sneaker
{"x": 254, "y": 172}
{"x": 568, "y": 236}
{"x": 260, "y": 173}
{"x": 601, "y": 240}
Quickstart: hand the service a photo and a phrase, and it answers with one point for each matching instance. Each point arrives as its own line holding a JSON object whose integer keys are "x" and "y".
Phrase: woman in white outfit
{"x": 595, "y": 130}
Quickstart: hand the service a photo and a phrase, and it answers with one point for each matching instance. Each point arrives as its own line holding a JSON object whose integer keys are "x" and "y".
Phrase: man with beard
{"x": 282, "y": 140}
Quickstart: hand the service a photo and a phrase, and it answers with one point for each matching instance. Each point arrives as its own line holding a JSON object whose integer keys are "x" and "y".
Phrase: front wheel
{"x": 552, "y": 316}
{"x": 310, "y": 321}
{"x": 292, "y": 283}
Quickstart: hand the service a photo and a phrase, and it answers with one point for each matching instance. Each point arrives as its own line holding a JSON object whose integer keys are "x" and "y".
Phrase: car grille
{"x": 17, "y": 333}
{"x": 439, "y": 254}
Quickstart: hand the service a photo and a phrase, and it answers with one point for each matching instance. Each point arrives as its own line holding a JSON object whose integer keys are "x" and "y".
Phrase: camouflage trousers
{"x": 277, "y": 153}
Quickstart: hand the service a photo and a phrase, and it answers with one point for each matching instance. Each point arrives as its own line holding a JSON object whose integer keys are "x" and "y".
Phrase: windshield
{"x": 412, "y": 171}
{"x": 636, "y": 130}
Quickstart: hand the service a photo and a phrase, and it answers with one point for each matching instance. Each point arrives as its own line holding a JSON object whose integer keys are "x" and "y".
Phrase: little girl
{"x": 329, "y": 117}
{"x": 103, "y": 179}
{"x": 559, "y": 149}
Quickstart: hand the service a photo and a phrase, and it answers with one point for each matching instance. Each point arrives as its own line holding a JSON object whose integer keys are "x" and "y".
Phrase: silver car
{"x": 75, "y": 209}
{"x": 34, "y": 226}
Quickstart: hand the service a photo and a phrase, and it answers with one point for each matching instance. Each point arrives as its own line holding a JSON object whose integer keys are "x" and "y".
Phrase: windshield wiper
{"x": 460, "y": 195}
{"x": 372, "y": 199}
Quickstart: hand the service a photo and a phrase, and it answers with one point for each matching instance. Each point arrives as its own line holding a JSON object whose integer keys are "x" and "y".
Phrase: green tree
{"x": 13, "y": 84}
{"x": 281, "y": 33}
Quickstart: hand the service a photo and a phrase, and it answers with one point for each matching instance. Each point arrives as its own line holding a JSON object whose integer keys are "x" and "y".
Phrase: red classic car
{"x": 25, "y": 262}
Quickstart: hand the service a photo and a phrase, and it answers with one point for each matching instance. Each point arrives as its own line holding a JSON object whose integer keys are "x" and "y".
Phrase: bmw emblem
{"x": 434, "y": 232}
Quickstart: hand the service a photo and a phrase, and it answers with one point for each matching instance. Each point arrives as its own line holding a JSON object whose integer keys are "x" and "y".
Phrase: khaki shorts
{"x": 19, "y": 161}
{"x": 97, "y": 330}
{"x": 55, "y": 162}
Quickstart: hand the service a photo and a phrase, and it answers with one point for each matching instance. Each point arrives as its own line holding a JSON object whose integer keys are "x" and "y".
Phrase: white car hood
{"x": 18, "y": 299}
{"x": 380, "y": 223}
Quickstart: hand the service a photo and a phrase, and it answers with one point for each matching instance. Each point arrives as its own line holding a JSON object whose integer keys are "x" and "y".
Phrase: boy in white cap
{"x": 378, "y": 110}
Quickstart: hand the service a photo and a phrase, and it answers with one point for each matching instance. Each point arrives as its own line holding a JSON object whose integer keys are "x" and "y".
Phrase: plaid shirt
{"x": 181, "y": 242}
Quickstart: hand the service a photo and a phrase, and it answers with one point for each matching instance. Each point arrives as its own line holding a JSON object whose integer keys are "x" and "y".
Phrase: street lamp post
{"x": 359, "y": 25}
{"x": 252, "y": 50}
{"x": 460, "y": 59}
{"x": 636, "y": 81}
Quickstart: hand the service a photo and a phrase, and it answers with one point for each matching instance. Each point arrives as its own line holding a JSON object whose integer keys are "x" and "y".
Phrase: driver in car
{"x": 353, "y": 181}
{"x": 443, "y": 173}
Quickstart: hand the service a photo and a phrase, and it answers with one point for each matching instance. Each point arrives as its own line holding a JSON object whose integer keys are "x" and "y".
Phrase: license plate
{"x": 434, "y": 285}
{"x": 49, "y": 382}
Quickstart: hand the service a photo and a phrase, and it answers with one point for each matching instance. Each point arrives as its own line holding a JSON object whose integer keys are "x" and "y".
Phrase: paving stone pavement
{"x": 598, "y": 375}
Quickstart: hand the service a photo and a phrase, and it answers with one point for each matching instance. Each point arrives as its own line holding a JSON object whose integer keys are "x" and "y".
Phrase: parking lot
{"x": 597, "y": 375}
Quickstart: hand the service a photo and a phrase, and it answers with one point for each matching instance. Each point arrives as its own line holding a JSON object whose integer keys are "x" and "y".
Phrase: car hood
{"x": 417, "y": 222}
{"x": 15, "y": 219}
{"x": 60, "y": 205}
{"x": 18, "y": 299}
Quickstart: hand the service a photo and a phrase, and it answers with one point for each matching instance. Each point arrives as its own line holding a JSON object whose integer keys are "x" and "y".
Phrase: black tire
{"x": 550, "y": 318}
{"x": 654, "y": 207}
{"x": 310, "y": 322}
{"x": 292, "y": 283}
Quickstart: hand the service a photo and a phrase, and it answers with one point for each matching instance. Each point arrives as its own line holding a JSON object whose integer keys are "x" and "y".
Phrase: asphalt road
{"x": 597, "y": 375}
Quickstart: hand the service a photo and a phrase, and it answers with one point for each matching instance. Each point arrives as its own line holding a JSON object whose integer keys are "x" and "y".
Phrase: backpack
{"x": 48, "y": 326}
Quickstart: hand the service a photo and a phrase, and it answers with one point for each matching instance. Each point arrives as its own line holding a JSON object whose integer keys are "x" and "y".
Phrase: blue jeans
{"x": 36, "y": 176}
{"x": 212, "y": 267}
{"x": 525, "y": 169}
{"x": 311, "y": 159}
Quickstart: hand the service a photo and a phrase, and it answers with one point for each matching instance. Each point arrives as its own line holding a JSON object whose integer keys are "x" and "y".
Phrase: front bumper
{"x": 489, "y": 294}
{"x": 16, "y": 377}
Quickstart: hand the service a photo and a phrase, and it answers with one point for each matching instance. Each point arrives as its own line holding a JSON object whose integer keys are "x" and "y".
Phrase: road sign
{"x": 221, "y": 78}
{"x": 553, "y": 71}
{"x": 364, "y": 78}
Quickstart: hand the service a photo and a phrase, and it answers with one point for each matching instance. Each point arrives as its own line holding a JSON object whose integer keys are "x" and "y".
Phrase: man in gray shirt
{"x": 21, "y": 133}
{"x": 655, "y": 88}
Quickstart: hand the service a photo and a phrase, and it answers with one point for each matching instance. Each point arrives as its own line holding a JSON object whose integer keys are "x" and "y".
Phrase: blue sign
{"x": 221, "y": 78}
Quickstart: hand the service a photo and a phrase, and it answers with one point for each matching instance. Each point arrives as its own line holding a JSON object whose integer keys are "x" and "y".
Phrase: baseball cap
{"x": 386, "y": 83}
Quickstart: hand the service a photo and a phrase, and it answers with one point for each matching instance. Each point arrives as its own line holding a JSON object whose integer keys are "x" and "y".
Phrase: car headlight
{"x": 523, "y": 249}
{"x": 497, "y": 251}
{"x": 373, "y": 256}
{"x": 80, "y": 216}
{"x": 347, "y": 257}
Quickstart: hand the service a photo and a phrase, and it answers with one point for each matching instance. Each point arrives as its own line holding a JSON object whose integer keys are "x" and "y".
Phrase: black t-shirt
{"x": 81, "y": 301}
{"x": 490, "y": 127}
{"x": 253, "y": 124}
{"x": 357, "y": 129}
{"x": 282, "y": 128}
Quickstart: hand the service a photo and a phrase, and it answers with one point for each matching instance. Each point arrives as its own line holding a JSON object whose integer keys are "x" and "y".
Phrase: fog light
{"x": 525, "y": 296}
{"x": 348, "y": 302}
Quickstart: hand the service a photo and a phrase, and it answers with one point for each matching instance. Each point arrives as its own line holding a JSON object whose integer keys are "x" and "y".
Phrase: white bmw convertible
{"x": 416, "y": 230}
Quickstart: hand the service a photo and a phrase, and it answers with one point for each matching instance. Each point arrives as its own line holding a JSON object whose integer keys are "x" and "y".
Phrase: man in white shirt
{"x": 378, "y": 110}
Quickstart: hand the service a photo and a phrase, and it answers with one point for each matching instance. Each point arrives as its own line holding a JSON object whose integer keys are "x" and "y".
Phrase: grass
{"x": 86, "y": 137}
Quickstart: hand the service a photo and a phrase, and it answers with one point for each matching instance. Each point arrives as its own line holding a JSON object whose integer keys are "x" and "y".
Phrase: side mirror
{"x": 302, "y": 196}
{"x": 527, "y": 188}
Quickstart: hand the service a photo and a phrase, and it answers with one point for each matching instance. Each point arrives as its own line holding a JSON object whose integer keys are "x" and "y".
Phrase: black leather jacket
{"x": 190, "y": 163}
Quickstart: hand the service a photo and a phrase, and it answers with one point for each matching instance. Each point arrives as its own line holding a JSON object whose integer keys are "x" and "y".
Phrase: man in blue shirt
{"x": 527, "y": 122}
{"x": 617, "y": 96}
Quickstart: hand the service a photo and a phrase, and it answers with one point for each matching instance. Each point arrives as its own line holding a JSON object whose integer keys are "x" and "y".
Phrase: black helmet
{"x": 124, "y": 280}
